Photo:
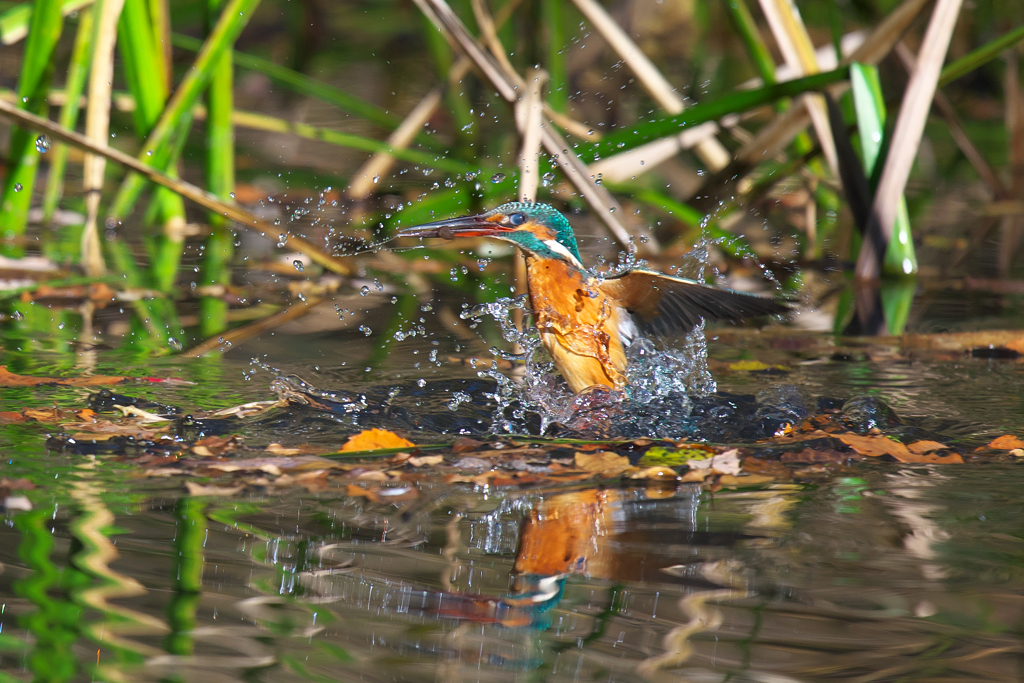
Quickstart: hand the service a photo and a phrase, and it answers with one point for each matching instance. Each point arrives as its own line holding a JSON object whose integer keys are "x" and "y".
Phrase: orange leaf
{"x": 9, "y": 379}
{"x": 1005, "y": 443}
{"x": 921, "y": 447}
{"x": 876, "y": 446}
{"x": 375, "y": 439}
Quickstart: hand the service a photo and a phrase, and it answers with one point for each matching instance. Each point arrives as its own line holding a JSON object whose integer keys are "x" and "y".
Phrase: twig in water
{"x": 236, "y": 213}
{"x": 243, "y": 334}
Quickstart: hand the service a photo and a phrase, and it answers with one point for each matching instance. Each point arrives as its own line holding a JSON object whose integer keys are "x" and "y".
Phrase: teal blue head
{"x": 539, "y": 229}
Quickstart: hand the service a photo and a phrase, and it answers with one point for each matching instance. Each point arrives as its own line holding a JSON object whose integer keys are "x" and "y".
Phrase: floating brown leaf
{"x": 9, "y": 379}
{"x": 375, "y": 439}
{"x": 875, "y": 446}
{"x": 921, "y": 447}
{"x": 1006, "y": 442}
{"x": 605, "y": 463}
{"x": 215, "y": 445}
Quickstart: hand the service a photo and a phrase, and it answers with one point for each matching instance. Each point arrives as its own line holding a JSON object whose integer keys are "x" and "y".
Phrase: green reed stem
{"x": 746, "y": 27}
{"x": 15, "y": 21}
{"x": 74, "y": 86}
{"x": 164, "y": 268}
{"x": 981, "y": 56}
{"x": 22, "y": 157}
{"x": 220, "y": 180}
{"x": 157, "y": 149}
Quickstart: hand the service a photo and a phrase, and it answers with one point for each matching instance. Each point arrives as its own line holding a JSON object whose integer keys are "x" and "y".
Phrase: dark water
{"x": 880, "y": 572}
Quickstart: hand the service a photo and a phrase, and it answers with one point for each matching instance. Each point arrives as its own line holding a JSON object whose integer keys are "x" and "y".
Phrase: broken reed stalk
{"x": 710, "y": 150}
{"x": 236, "y": 213}
{"x": 97, "y": 126}
{"x": 600, "y": 200}
{"x": 906, "y": 136}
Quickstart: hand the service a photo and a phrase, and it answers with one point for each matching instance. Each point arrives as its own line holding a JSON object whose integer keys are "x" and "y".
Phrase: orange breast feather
{"x": 578, "y": 325}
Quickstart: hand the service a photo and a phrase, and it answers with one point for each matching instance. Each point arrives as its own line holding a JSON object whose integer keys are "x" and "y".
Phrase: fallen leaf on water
{"x": 271, "y": 465}
{"x": 383, "y": 494}
{"x": 921, "y": 447}
{"x": 375, "y": 439}
{"x": 46, "y": 416}
{"x": 876, "y": 446}
{"x": 667, "y": 457}
{"x": 426, "y": 460}
{"x": 9, "y": 379}
{"x": 768, "y": 468}
{"x": 723, "y": 463}
{"x": 605, "y": 463}
{"x": 1006, "y": 442}
{"x": 195, "y": 489}
{"x": 657, "y": 473}
{"x": 21, "y": 484}
{"x": 215, "y": 445}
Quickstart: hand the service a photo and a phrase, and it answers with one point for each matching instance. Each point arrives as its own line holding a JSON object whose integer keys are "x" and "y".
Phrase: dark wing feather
{"x": 662, "y": 304}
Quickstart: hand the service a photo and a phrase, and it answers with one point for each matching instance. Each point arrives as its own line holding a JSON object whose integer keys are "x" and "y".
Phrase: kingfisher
{"x": 587, "y": 321}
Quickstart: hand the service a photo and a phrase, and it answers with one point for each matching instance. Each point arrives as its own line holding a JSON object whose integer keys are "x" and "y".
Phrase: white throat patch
{"x": 559, "y": 248}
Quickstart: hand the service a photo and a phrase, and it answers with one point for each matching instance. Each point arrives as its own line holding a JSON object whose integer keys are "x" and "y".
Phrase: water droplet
{"x": 421, "y": 382}
{"x": 497, "y": 177}
{"x": 42, "y": 144}
{"x": 364, "y": 290}
{"x": 376, "y": 179}
{"x": 231, "y": 194}
{"x": 149, "y": 152}
{"x": 17, "y": 187}
{"x": 298, "y": 265}
{"x": 174, "y": 344}
{"x": 547, "y": 179}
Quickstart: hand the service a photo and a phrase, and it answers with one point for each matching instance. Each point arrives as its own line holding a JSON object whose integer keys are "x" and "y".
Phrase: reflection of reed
{"x": 925, "y": 533}
{"x": 91, "y": 527}
{"x": 703, "y": 617}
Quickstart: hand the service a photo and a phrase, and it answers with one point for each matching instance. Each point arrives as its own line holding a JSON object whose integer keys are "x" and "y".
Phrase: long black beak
{"x": 465, "y": 226}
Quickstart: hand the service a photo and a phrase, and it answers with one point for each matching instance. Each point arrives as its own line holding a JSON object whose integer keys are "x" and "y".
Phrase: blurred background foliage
{"x": 334, "y": 123}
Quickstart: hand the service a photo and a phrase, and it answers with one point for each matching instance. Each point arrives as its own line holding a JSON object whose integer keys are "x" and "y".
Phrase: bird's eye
{"x": 517, "y": 218}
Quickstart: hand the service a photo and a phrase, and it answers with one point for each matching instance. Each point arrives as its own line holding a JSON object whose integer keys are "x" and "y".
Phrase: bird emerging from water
{"x": 587, "y": 322}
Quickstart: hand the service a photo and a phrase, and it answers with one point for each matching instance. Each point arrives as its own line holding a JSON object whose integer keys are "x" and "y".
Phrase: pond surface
{"x": 876, "y": 571}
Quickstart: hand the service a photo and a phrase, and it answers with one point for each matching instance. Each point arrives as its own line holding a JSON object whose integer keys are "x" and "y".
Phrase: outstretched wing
{"x": 665, "y": 305}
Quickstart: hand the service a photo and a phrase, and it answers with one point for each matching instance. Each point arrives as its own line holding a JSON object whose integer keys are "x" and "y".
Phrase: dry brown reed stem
{"x": 797, "y": 49}
{"x": 239, "y": 335}
{"x": 709, "y": 149}
{"x": 785, "y": 126}
{"x": 369, "y": 174}
{"x": 530, "y": 121}
{"x": 956, "y": 130}
{"x": 1011, "y": 226}
{"x": 600, "y": 200}
{"x": 234, "y": 212}
{"x": 906, "y": 137}
{"x": 97, "y": 126}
